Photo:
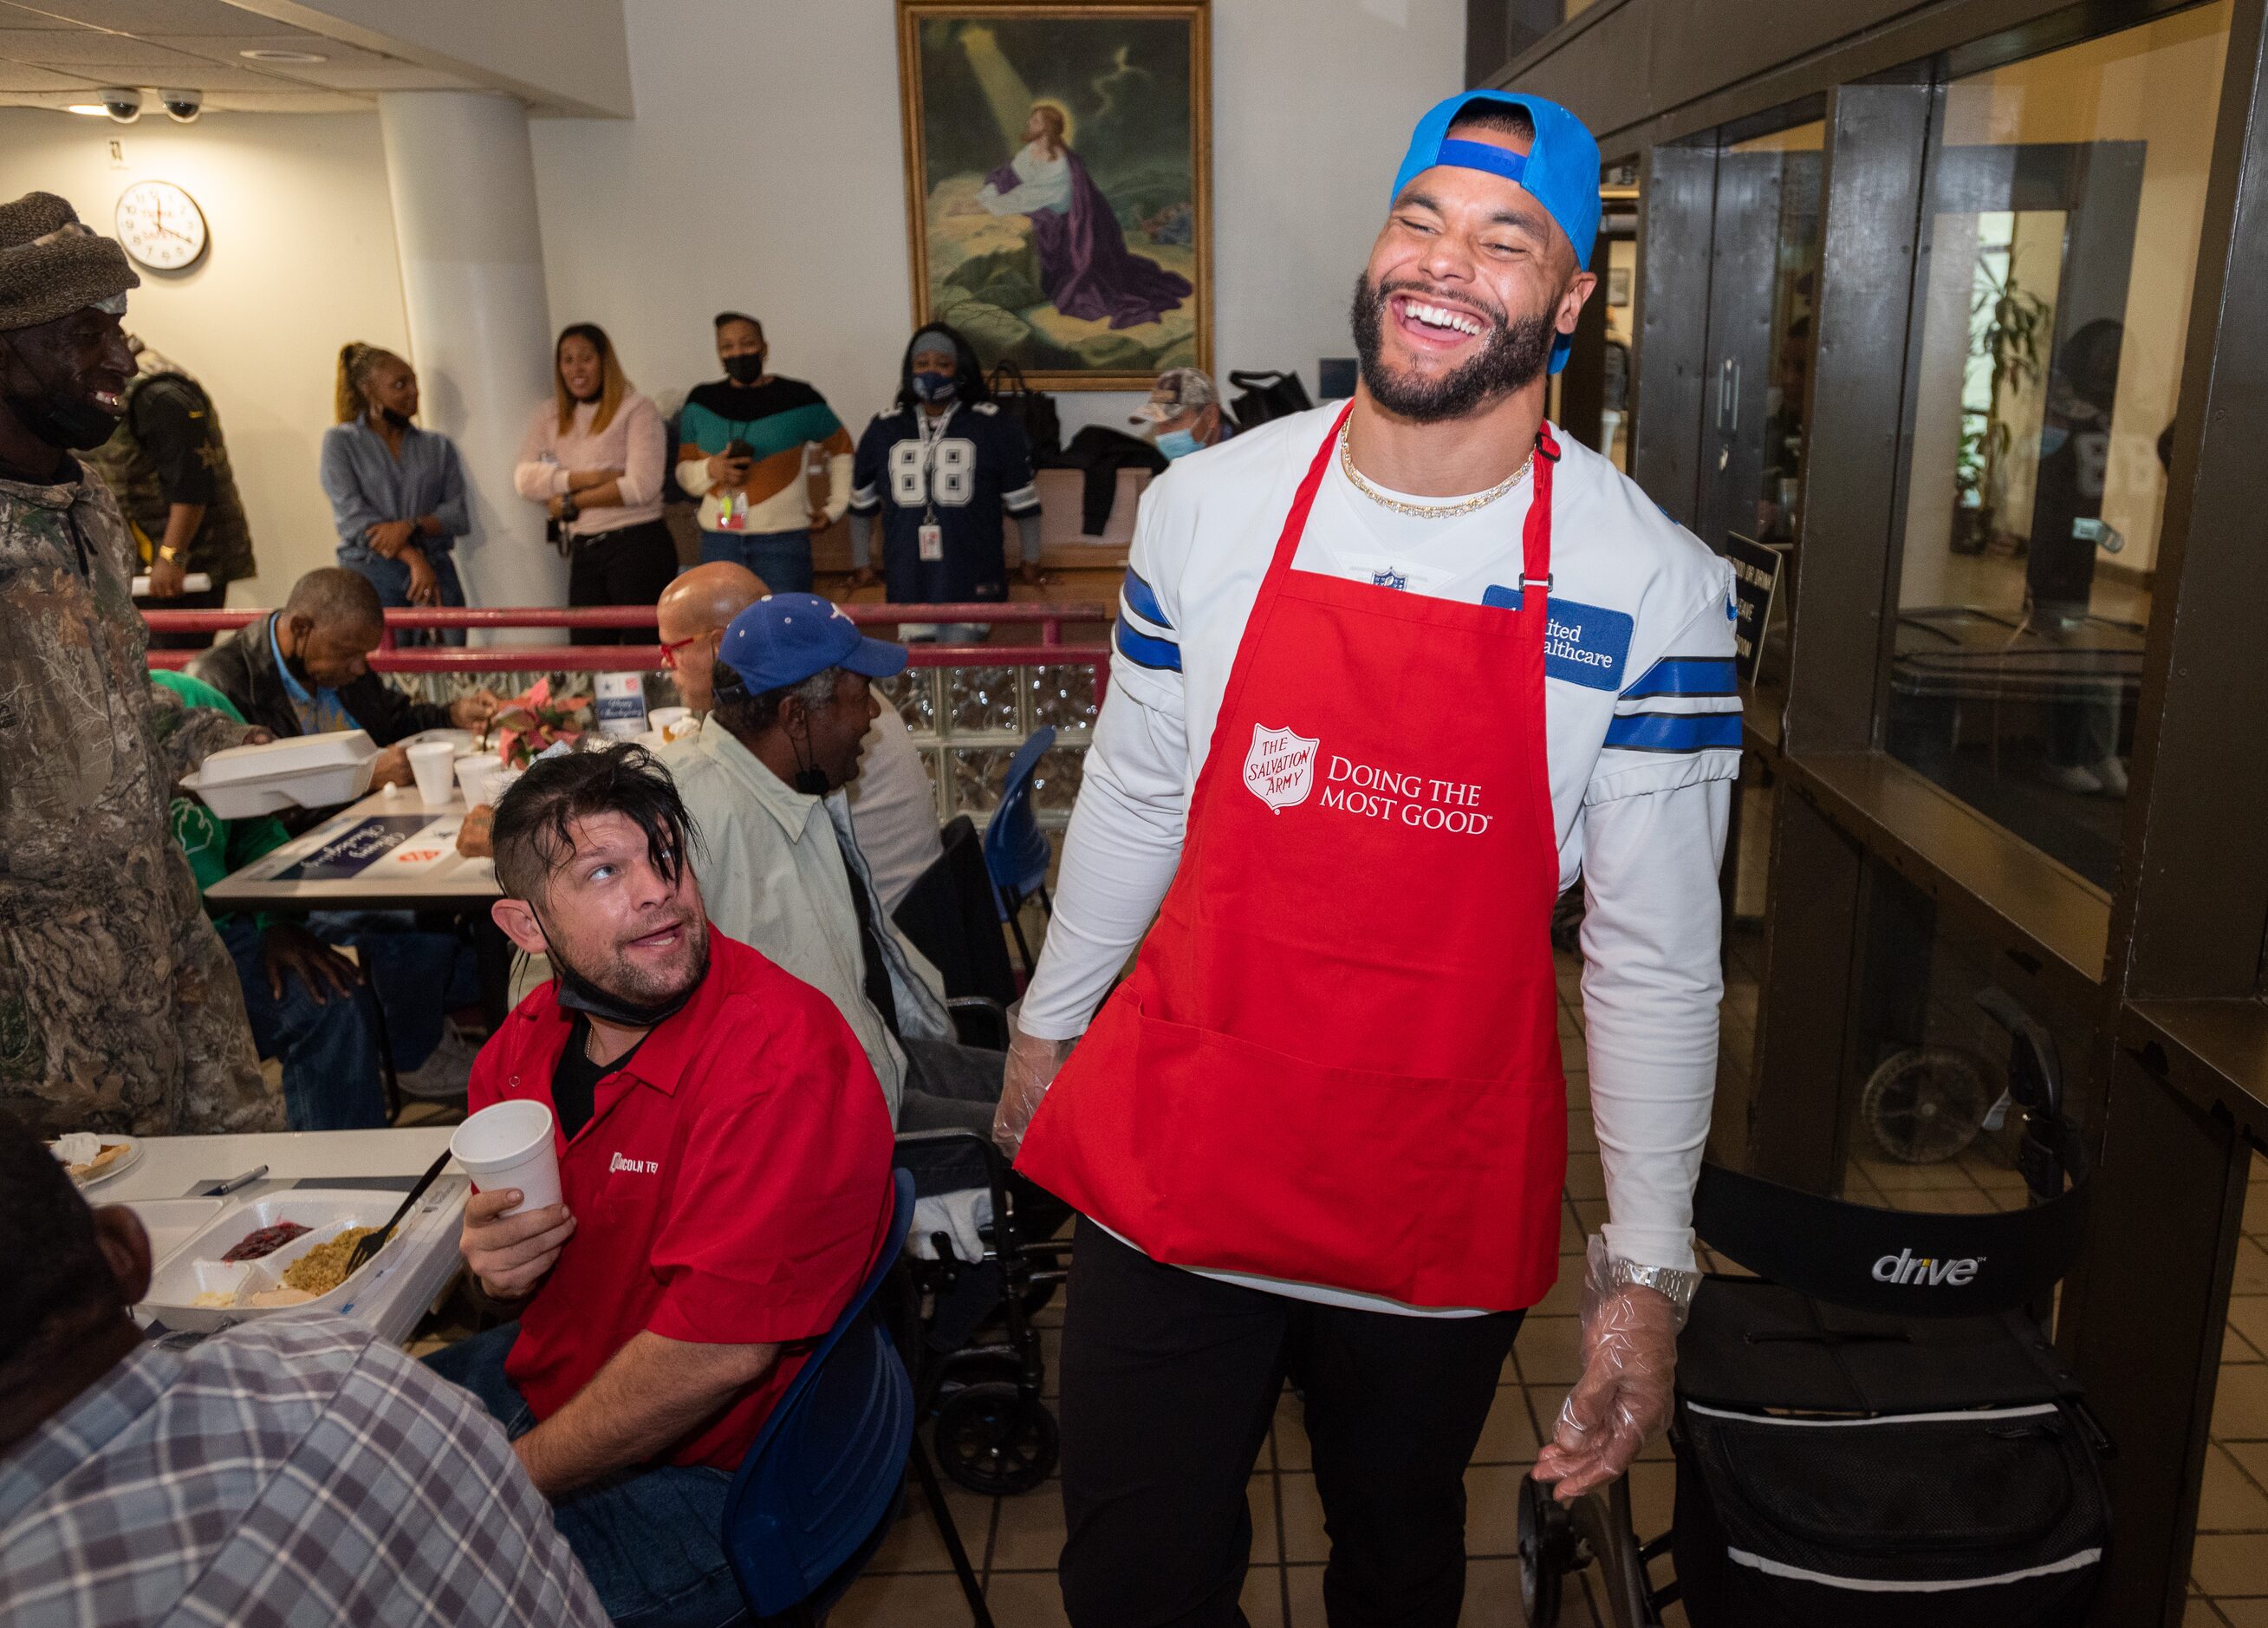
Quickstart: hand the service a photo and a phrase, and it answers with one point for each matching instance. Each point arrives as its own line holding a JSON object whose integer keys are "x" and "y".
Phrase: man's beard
{"x": 1512, "y": 355}
{"x": 623, "y": 992}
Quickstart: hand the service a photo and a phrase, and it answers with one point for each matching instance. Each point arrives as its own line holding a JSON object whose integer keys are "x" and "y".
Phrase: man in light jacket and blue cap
{"x": 1386, "y": 677}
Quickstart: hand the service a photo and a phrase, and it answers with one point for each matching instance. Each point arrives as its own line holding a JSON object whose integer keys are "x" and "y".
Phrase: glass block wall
{"x": 968, "y": 722}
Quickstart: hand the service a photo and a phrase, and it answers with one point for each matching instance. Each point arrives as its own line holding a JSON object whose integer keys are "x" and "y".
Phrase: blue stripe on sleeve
{"x": 1685, "y": 675}
{"x": 1141, "y": 648}
{"x": 1143, "y": 599}
{"x": 1675, "y": 732}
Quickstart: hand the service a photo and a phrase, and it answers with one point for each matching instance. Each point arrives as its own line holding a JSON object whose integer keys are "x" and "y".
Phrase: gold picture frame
{"x": 1113, "y": 247}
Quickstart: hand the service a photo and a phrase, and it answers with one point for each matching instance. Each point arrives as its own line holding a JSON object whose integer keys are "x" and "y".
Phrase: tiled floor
{"x": 2228, "y": 1574}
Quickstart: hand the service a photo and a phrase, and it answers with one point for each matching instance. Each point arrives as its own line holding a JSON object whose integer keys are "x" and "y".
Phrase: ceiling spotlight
{"x": 91, "y": 110}
{"x": 121, "y": 102}
{"x": 272, "y": 55}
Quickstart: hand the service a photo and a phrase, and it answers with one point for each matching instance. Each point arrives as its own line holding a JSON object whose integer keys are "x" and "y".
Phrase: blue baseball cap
{"x": 785, "y": 638}
{"x": 1560, "y": 170}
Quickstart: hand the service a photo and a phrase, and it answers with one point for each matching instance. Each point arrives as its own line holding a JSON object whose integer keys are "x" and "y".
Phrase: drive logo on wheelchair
{"x": 1923, "y": 1270}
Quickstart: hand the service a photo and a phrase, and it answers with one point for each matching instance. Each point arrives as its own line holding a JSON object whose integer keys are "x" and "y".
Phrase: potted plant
{"x": 2007, "y": 327}
{"x": 535, "y": 720}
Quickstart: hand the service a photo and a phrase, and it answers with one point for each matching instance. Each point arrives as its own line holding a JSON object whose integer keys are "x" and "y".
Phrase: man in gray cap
{"x": 119, "y": 1005}
{"x": 1183, "y": 413}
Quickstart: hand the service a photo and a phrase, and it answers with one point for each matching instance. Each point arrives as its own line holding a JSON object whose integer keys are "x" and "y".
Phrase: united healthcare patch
{"x": 1583, "y": 644}
{"x": 1280, "y": 768}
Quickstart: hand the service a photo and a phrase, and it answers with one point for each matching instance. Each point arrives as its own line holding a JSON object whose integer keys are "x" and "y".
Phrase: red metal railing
{"x": 391, "y": 657}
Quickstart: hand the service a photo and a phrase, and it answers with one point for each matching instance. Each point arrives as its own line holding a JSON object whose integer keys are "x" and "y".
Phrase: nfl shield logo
{"x": 1280, "y": 768}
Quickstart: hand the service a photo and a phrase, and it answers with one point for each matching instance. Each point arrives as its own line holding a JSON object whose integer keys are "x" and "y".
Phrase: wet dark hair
{"x": 50, "y": 1264}
{"x": 532, "y": 833}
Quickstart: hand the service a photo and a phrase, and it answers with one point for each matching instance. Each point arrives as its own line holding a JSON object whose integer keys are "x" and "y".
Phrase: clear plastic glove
{"x": 1630, "y": 1362}
{"x": 1032, "y": 1067}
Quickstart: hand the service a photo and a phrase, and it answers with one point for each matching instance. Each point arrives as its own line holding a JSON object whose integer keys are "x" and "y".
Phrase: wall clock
{"x": 161, "y": 225}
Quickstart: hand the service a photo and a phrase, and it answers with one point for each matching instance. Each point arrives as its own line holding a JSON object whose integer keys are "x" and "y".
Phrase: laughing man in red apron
{"x": 1387, "y": 678}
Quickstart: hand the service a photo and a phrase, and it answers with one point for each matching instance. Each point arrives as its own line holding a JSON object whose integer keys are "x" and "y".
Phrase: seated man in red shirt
{"x": 724, "y": 1154}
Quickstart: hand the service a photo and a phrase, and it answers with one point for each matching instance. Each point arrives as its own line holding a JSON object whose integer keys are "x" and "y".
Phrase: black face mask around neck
{"x": 578, "y": 993}
{"x": 78, "y": 427}
{"x": 393, "y": 420}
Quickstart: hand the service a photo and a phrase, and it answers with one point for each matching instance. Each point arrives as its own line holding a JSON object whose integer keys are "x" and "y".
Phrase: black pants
{"x": 1169, "y": 1382}
{"x": 627, "y": 567}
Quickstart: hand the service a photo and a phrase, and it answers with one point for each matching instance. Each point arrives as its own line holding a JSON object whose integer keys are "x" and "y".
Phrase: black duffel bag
{"x": 1034, "y": 410}
{"x": 1994, "y": 1517}
{"x": 1262, "y": 397}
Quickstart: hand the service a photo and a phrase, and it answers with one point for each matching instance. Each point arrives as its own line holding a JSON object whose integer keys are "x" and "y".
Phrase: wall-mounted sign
{"x": 1755, "y": 581}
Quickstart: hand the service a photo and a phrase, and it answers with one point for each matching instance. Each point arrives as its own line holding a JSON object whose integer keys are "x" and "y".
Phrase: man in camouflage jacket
{"x": 119, "y": 1005}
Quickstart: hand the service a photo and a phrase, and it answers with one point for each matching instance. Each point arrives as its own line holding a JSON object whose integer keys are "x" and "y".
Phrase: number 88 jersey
{"x": 960, "y": 473}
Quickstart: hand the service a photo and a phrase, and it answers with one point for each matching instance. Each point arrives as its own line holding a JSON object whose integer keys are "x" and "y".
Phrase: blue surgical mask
{"x": 936, "y": 386}
{"x": 1178, "y": 442}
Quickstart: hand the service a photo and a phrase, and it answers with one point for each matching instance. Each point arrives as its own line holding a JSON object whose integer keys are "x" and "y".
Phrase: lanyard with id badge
{"x": 732, "y": 506}
{"x": 929, "y": 536}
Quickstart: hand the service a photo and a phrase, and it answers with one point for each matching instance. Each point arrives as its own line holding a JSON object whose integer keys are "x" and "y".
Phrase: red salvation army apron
{"x": 1337, "y": 1060}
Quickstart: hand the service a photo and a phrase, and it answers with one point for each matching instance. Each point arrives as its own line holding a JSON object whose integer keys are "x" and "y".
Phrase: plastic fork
{"x": 368, "y": 1246}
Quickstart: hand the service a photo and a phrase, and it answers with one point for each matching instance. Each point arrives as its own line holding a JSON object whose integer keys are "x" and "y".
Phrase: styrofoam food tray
{"x": 277, "y": 760}
{"x": 173, "y": 1222}
{"x": 197, "y": 1267}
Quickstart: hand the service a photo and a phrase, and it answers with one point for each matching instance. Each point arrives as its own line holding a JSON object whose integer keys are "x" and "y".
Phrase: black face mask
{"x": 746, "y": 368}
{"x": 80, "y": 427}
{"x": 578, "y": 993}
{"x": 398, "y": 421}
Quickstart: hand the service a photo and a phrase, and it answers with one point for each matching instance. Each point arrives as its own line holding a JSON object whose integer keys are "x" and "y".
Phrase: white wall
{"x": 782, "y": 191}
{"x": 301, "y": 259}
{"x": 777, "y": 189}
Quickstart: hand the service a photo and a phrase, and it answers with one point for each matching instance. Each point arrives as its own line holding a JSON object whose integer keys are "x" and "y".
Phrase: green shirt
{"x": 216, "y": 847}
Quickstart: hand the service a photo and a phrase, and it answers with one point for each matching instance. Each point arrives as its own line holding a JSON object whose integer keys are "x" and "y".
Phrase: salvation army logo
{"x": 1280, "y": 768}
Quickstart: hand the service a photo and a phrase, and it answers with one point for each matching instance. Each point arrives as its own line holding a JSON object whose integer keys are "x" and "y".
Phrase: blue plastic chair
{"x": 1016, "y": 851}
{"x": 817, "y": 1491}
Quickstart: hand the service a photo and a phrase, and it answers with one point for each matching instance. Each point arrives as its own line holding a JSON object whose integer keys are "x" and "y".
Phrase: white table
{"x": 390, "y": 851}
{"x": 425, "y": 1251}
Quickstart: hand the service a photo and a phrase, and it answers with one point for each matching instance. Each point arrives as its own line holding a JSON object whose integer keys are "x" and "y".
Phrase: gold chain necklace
{"x": 1429, "y": 511}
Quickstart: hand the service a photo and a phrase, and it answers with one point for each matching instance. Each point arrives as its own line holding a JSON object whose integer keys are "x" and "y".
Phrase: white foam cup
{"x": 508, "y": 1144}
{"x": 477, "y": 775}
{"x": 433, "y": 762}
{"x": 667, "y": 719}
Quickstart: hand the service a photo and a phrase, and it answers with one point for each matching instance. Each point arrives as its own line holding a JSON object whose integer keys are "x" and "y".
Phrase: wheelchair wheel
{"x": 1925, "y": 1105}
{"x": 1604, "y": 1532}
{"x": 1547, "y": 1552}
{"x": 1558, "y": 1539}
{"x": 993, "y": 1439}
{"x": 963, "y": 1369}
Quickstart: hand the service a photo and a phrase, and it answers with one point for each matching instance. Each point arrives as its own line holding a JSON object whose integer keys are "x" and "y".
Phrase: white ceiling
{"x": 57, "y": 52}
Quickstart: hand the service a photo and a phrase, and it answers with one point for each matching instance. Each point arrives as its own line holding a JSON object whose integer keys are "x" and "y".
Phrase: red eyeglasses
{"x": 669, "y": 651}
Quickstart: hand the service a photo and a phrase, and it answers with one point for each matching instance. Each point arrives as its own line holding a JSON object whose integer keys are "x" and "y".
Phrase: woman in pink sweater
{"x": 593, "y": 458}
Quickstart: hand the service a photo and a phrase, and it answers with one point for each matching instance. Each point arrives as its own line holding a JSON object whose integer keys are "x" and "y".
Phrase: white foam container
{"x": 198, "y": 1268}
{"x": 309, "y": 771}
{"x": 173, "y": 1222}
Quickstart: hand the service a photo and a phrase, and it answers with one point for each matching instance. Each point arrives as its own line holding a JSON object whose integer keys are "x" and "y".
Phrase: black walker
{"x": 1876, "y": 1431}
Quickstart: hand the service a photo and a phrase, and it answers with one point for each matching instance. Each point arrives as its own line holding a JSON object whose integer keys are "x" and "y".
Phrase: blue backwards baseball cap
{"x": 1560, "y": 170}
{"x": 785, "y": 638}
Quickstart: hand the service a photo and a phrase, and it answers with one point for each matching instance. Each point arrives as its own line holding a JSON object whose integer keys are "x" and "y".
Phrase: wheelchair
{"x": 965, "y": 1325}
{"x": 1876, "y": 1431}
